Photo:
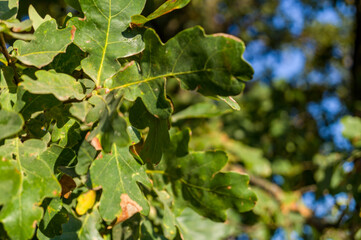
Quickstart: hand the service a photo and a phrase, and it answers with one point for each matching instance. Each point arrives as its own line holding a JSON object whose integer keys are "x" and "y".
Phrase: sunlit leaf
{"x": 104, "y": 35}
{"x": 37, "y": 183}
{"x": 121, "y": 197}
{"x": 62, "y": 86}
{"x": 216, "y": 68}
{"x": 49, "y": 42}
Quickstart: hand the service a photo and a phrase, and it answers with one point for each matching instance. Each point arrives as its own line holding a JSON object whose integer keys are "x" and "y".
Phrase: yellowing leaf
{"x": 85, "y": 202}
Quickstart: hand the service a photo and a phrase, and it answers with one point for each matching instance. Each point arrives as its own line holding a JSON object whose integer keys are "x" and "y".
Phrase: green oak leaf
{"x": 62, "y": 86}
{"x": 8, "y": 9}
{"x": 90, "y": 226}
{"x": 54, "y": 216}
{"x": 212, "y": 64}
{"x": 10, "y": 180}
{"x": 86, "y": 155}
{"x": 123, "y": 175}
{"x": 67, "y": 62}
{"x": 20, "y": 215}
{"x": 199, "y": 184}
{"x": 231, "y": 102}
{"x": 158, "y": 136}
{"x": 48, "y": 42}
{"x": 112, "y": 127}
{"x": 148, "y": 232}
{"x": 36, "y": 19}
{"x": 8, "y": 89}
{"x": 28, "y": 103}
{"x": 68, "y": 135}
{"x": 169, "y": 218}
{"x": 200, "y": 110}
{"x": 74, "y": 4}
{"x": 104, "y": 35}
{"x": 195, "y": 227}
{"x": 165, "y": 8}
{"x": 56, "y": 156}
{"x": 10, "y": 123}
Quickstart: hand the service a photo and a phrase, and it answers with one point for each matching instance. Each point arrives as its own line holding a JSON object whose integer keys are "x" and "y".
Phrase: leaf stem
{"x": 4, "y": 51}
{"x": 155, "y": 172}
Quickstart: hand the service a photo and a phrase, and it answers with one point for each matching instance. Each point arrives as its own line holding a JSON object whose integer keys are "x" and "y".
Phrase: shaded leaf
{"x": 10, "y": 123}
{"x": 148, "y": 232}
{"x": 165, "y": 8}
{"x": 8, "y": 9}
{"x": 28, "y": 103}
{"x": 197, "y": 181}
{"x": 67, "y": 135}
{"x": 211, "y": 64}
{"x": 80, "y": 110}
{"x": 200, "y": 110}
{"x": 56, "y": 156}
{"x": 120, "y": 189}
{"x": 54, "y": 216}
{"x": 112, "y": 128}
{"x": 90, "y": 226}
{"x": 86, "y": 155}
{"x": 104, "y": 35}
{"x": 195, "y": 227}
{"x": 48, "y": 42}
{"x": 157, "y": 138}
{"x": 61, "y": 85}
{"x": 67, "y": 62}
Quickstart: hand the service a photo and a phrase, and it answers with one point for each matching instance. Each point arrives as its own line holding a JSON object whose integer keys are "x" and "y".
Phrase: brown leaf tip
{"x": 72, "y": 32}
{"x": 129, "y": 208}
{"x": 227, "y": 36}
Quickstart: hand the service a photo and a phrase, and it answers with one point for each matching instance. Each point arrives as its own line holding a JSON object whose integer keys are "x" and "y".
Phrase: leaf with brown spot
{"x": 123, "y": 174}
{"x": 129, "y": 208}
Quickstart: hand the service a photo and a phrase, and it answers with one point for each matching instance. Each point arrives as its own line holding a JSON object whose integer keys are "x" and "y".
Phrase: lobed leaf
{"x": 49, "y": 42}
{"x": 211, "y": 64}
{"x": 112, "y": 127}
{"x": 104, "y": 35}
{"x": 121, "y": 194}
{"x": 20, "y": 215}
{"x": 62, "y": 86}
{"x": 199, "y": 184}
{"x": 36, "y": 19}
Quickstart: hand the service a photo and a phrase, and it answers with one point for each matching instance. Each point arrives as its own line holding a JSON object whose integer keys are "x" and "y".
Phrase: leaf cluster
{"x": 86, "y": 144}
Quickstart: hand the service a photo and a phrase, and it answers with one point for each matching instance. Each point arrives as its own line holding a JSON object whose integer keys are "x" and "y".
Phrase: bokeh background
{"x": 291, "y": 134}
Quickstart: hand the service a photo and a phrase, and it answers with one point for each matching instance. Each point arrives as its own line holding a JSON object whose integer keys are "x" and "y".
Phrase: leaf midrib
{"x": 165, "y": 76}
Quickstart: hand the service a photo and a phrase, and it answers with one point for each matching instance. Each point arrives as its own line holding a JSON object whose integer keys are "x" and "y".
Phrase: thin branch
{"x": 4, "y": 51}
